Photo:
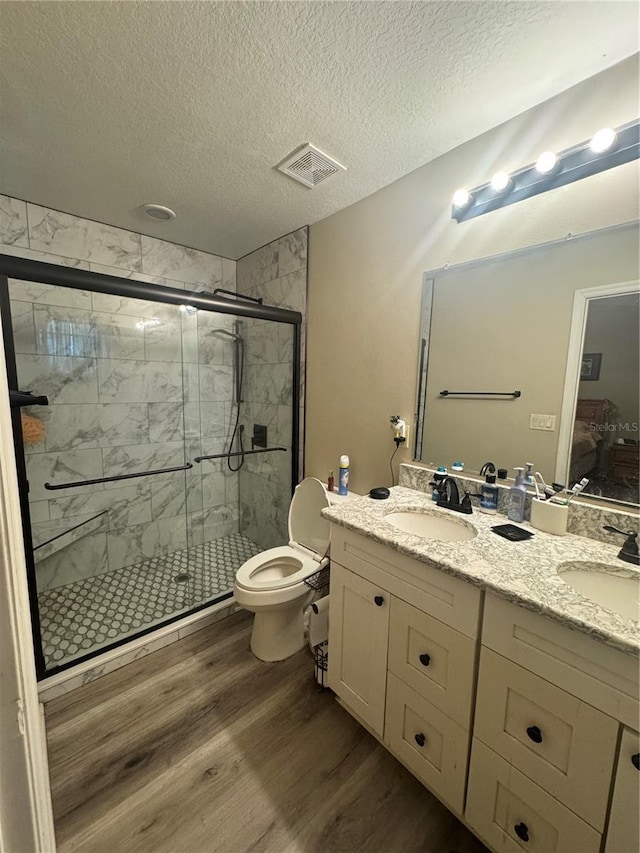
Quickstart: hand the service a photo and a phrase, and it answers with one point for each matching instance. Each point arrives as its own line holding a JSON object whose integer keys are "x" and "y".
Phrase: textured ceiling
{"x": 106, "y": 105}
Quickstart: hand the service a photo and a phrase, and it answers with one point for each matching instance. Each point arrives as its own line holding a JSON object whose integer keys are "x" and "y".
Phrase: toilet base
{"x": 279, "y": 633}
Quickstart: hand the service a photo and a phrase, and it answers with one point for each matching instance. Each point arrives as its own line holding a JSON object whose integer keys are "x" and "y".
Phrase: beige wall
{"x": 366, "y": 264}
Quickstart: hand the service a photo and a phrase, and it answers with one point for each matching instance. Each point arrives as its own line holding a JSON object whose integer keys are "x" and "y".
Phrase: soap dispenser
{"x": 517, "y": 497}
{"x": 489, "y": 495}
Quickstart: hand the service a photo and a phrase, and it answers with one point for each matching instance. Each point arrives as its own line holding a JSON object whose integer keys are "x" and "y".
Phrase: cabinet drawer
{"x": 435, "y": 660}
{"x": 563, "y": 744}
{"x": 624, "y": 822}
{"x": 599, "y": 674}
{"x": 454, "y": 602}
{"x": 511, "y": 813}
{"x": 430, "y": 744}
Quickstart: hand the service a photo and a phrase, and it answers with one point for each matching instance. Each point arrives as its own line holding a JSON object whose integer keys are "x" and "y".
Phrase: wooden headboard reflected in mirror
{"x": 510, "y": 322}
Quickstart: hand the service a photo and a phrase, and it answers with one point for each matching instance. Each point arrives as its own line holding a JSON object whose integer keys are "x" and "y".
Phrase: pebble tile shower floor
{"x": 85, "y": 615}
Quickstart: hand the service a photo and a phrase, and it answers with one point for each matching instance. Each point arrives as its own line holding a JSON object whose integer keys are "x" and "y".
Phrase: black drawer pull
{"x": 535, "y": 734}
{"x": 425, "y": 660}
{"x": 635, "y": 760}
{"x": 522, "y": 831}
{"x": 379, "y": 600}
{"x": 421, "y": 739}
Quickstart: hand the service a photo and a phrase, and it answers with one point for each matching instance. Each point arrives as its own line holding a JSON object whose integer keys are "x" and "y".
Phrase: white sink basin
{"x": 614, "y": 587}
{"x": 431, "y": 526}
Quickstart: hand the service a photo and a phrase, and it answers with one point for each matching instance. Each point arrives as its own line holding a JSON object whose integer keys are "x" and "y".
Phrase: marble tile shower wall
{"x": 276, "y": 272}
{"x": 117, "y": 372}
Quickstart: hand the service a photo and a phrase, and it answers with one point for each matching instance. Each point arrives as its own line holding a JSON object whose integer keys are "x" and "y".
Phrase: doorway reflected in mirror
{"x": 605, "y": 445}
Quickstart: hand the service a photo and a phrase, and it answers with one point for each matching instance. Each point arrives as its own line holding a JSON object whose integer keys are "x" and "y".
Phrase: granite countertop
{"x": 522, "y": 572}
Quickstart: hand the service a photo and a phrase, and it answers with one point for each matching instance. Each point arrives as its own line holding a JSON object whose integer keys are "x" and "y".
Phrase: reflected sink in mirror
{"x": 432, "y": 526}
{"x": 614, "y": 587}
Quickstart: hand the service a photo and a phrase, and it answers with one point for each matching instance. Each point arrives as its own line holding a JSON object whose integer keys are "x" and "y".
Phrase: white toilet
{"x": 271, "y": 584}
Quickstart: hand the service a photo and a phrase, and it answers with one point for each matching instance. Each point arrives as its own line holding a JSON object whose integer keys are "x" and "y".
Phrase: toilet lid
{"x": 306, "y": 526}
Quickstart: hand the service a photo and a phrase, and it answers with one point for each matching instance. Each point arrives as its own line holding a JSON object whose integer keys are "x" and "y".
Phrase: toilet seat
{"x": 288, "y": 565}
{"x": 277, "y": 568}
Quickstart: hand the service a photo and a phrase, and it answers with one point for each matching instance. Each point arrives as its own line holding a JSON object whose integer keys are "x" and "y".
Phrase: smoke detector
{"x": 309, "y": 165}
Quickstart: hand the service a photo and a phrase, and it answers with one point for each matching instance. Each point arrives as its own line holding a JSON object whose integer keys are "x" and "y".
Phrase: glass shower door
{"x": 162, "y": 460}
{"x": 106, "y": 460}
{"x": 215, "y": 371}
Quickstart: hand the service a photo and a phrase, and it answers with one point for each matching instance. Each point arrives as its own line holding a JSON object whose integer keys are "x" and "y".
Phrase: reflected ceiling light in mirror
{"x": 603, "y": 140}
{"x": 500, "y": 182}
{"x": 608, "y": 148}
{"x": 547, "y": 163}
{"x": 461, "y": 199}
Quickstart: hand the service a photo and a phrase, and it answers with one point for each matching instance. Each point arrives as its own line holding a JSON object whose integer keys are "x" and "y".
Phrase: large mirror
{"x": 560, "y": 324}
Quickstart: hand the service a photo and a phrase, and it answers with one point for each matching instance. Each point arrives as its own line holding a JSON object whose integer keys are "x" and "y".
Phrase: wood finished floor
{"x": 201, "y": 748}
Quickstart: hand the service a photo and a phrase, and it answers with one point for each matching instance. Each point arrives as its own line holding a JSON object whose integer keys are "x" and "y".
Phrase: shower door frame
{"x": 24, "y": 269}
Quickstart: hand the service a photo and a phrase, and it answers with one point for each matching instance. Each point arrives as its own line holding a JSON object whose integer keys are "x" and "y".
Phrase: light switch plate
{"x": 547, "y": 423}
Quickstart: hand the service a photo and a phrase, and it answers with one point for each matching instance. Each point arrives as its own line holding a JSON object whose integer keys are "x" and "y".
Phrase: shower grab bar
{"x": 245, "y": 453}
{"x": 52, "y": 488}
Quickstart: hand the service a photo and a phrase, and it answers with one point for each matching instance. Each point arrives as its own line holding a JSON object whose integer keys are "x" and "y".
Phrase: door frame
{"x": 32, "y": 828}
{"x": 581, "y": 301}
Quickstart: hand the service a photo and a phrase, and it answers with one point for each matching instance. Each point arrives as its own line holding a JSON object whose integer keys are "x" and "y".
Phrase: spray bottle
{"x": 343, "y": 475}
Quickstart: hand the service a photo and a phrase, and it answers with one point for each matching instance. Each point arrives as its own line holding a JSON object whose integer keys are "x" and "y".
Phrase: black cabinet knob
{"x": 425, "y": 660}
{"x": 420, "y": 739}
{"x": 535, "y": 734}
{"x": 522, "y": 831}
{"x": 635, "y": 760}
{"x": 379, "y": 600}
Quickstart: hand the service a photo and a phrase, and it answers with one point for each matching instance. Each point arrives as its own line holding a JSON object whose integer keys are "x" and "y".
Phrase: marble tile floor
{"x": 87, "y": 615}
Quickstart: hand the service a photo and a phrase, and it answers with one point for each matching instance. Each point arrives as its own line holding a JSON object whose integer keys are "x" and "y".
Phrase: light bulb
{"x": 603, "y": 140}
{"x": 461, "y": 198}
{"x": 500, "y": 182}
{"x": 546, "y": 162}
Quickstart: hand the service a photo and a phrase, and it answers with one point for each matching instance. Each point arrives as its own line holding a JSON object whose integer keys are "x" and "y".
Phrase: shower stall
{"x": 156, "y": 438}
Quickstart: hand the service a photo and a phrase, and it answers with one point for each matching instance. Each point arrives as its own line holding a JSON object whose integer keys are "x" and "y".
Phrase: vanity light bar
{"x": 573, "y": 164}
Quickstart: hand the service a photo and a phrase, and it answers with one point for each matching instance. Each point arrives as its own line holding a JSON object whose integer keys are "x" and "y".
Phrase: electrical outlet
{"x": 400, "y": 429}
{"x": 547, "y": 423}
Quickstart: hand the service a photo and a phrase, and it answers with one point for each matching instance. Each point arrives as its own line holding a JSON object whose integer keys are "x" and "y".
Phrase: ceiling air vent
{"x": 309, "y": 166}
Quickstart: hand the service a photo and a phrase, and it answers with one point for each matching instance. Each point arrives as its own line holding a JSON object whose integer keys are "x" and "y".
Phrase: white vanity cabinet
{"x": 624, "y": 821}
{"x": 402, "y": 657}
{"x": 358, "y": 639}
{"x": 549, "y": 708}
{"x": 547, "y": 714}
